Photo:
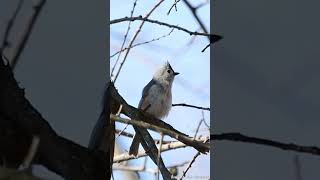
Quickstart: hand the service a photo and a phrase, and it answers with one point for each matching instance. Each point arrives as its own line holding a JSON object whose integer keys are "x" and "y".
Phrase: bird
{"x": 156, "y": 99}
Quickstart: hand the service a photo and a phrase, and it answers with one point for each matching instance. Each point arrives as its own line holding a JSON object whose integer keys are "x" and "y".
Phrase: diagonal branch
{"x": 22, "y": 41}
{"x": 199, "y": 145}
{"x": 134, "y": 38}
{"x": 5, "y": 39}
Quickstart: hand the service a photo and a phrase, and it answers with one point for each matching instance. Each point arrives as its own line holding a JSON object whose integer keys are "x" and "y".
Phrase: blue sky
{"x": 192, "y": 86}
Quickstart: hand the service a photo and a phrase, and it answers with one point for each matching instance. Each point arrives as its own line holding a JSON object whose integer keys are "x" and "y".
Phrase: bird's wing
{"x": 144, "y": 99}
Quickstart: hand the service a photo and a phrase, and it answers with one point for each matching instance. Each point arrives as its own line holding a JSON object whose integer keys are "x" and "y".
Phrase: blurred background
{"x": 266, "y": 84}
{"x": 191, "y": 86}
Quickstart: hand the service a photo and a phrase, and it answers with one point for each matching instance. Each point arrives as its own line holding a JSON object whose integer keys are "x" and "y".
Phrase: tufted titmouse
{"x": 156, "y": 98}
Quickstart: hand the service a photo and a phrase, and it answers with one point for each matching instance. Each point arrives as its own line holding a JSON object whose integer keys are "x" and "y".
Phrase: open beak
{"x": 176, "y": 73}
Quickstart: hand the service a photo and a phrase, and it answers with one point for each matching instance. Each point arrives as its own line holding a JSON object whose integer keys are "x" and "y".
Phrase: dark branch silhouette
{"x": 284, "y": 146}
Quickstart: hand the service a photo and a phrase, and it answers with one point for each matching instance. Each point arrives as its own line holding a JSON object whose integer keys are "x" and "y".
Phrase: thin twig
{"x": 37, "y": 7}
{"x": 284, "y": 146}
{"x": 5, "y": 39}
{"x": 134, "y": 38}
{"x": 125, "y": 38}
{"x": 140, "y": 18}
{"x": 192, "y": 106}
{"x": 174, "y": 5}
{"x": 297, "y": 167}
{"x": 146, "y": 42}
{"x": 190, "y": 164}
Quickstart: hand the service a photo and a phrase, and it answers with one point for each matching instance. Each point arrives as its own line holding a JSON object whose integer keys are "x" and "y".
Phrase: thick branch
{"x": 284, "y": 146}
{"x": 202, "y": 147}
{"x": 58, "y": 154}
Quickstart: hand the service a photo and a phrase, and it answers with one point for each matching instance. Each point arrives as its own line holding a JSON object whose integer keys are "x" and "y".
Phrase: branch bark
{"x": 58, "y": 154}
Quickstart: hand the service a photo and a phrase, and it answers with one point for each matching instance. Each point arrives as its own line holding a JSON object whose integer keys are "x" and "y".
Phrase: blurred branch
{"x": 146, "y": 42}
{"x": 22, "y": 41}
{"x": 134, "y": 38}
{"x": 199, "y": 124}
{"x": 32, "y": 152}
{"x": 284, "y": 146}
{"x": 143, "y": 168}
{"x": 297, "y": 167}
{"x": 192, "y": 106}
{"x": 212, "y": 39}
{"x": 129, "y": 135}
{"x": 125, "y": 38}
{"x": 5, "y": 39}
{"x": 195, "y": 15}
{"x": 165, "y": 147}
{"x": 200, "y": 146}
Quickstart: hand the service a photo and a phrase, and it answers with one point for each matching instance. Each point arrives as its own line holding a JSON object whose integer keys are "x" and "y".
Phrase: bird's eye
{"x": 169, "y": 71}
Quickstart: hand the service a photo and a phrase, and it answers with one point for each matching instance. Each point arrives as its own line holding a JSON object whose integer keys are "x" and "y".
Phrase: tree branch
{"x": 134, "y": 38}
{"x": 192, "y": 106}
{"x": 27, "y": 32}
{"x": 284, "y": 146}
{"x": 140, "y": 18}
{"x": 165, "y": 147}
{"x": 60, "y": 155}
{"x": 200, "y": 146}
{"x": 5, "y": 39}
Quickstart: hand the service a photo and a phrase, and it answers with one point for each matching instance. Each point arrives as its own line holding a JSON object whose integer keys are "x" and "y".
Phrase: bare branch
{"x": 200, "y": 146}
{"x": 37, "y": 7}
{"x": 190, "y": 164}
{"x": 174, "y": 5}
{"x": 124, "y": 40}
{"x": 140, "y": 18}
{"x": 192, "y": 106}
{"x": 146, "y": 42}
{"x": 5, "y": 39}
{"x": 165, "y": 147}
{"x": 212, "y": 39}
{"x": 284, "y": 146}
{"x": 134, "y": 38}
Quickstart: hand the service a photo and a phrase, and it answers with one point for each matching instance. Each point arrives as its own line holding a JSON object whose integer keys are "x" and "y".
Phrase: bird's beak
{"x": 176, "y": 73}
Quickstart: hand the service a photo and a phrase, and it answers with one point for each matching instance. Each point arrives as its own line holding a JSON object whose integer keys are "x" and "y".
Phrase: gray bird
{"x": 156, "y": 98}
